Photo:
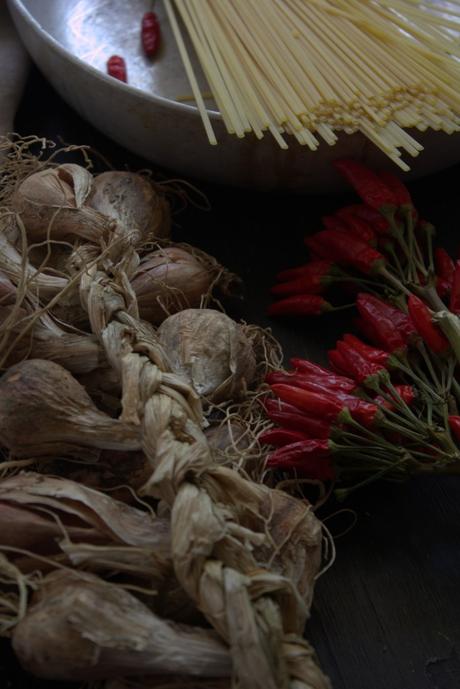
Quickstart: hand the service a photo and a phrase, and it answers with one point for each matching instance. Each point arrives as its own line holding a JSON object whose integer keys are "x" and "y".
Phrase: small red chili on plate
{"x": 116, "y": 68}
{"x": 150, "y": 33}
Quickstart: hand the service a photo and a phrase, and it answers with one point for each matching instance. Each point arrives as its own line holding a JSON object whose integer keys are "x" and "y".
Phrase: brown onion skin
{"x": 170, "y": 280}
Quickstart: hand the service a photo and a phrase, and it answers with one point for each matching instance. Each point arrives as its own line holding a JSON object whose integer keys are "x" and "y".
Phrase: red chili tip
{"x": 398, "y": 188}
{"x": 116, "y": 68}
{"x": 373, "y": 218}
{"x": 310, "y": 458}
{"x": 345, "y": 249}
{"x": 300, "y": 305}
{"x": 367, "y": 184}
{"x": 377, "y": 356}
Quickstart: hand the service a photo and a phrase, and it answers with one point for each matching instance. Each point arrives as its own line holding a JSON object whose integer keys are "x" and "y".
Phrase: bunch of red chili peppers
{"x": 388, "y": 407}
{"x": 150, "y": 39}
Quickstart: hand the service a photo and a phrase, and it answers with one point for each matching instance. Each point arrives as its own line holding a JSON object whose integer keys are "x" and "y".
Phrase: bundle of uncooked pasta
{"x": 138, "y": 546}
{"x": 313, "y": 68}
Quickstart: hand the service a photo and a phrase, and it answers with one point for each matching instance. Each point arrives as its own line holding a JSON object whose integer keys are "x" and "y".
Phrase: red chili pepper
{"x": 399, "y": 319}
{"x": 317, "y": 403}
{"x": 366, "y": 413}
{"x": 398, "y": 188}
{"x": 360, "y": 228}
{"x": 150, "y": 33}
{"x": 346, "y": 249}
{"x": 360, "y": 368}
{"x": 445, "y": 268}
{"x": 330, "y": 222}
{"x": 382, "y": 319}
{"x": 369, "y": 187}
{"x": 421, "y": 317}
{"x": 278, "y": 437}
{"x": 116, "y": 68}
{"x": 312, "y": 267}
{"x": 454, "y": 304}
{"x": 300, "y": 305}
{"x": 353, "y": 225}
{"x": 366, "y": 329}
{"x": 311, "y": 458}
{"x": 377, "y": 356}
{"x": 308, "y": 367}
{"x": 327, "y": 404}
{"x": 337, "y": 362}
{"x": 305, "y": 380}
{"x": 373, "y": 218}
{"x": 454, "y": 423}
{"x": 295, "y": 420}
{"x": 314, "y": 279}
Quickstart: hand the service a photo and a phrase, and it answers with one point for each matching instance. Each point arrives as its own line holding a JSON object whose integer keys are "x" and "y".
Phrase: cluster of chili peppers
{"x": 150, "y": 39}
{"x": 388, "y": 406}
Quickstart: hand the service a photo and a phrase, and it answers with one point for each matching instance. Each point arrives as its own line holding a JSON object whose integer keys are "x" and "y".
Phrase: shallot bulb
{"x": 44, "y": 411}
{"x": 169, "y": 280}
{"x": 131, "y": 200}
{"x": 52, "y": 203}
{"x": 30, "y": 502}
{"x": 210, "y": 351}
{"x": 82, "y": 628}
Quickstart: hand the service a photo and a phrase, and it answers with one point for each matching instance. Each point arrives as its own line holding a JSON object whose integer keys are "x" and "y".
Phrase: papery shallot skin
{"x": 79, "y": 627}
{"x": 210, "y": 351}
{"x": 169, "y": 280}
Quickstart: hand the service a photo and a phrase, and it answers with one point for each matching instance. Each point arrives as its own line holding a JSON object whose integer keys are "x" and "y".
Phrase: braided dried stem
{"x": 246, "y": 555}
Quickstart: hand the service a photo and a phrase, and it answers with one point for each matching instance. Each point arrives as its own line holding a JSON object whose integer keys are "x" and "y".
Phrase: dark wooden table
{"x": 387, "y": 615}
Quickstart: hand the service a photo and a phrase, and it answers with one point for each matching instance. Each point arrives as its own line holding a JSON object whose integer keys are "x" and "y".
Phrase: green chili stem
{"x": 450, "y": 325}
{"x": 342, "y": 493}
{"x": 426, "y": 358}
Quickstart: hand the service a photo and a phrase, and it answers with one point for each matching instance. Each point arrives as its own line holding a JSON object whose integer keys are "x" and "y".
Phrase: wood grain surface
{"x": 387, "y": 614}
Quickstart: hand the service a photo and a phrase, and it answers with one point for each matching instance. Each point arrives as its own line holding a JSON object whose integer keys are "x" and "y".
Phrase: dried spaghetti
{"x": 314, "y": 68}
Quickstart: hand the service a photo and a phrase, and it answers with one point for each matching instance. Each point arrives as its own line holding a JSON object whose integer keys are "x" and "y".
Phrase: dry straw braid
{"x": 228, "y": 534}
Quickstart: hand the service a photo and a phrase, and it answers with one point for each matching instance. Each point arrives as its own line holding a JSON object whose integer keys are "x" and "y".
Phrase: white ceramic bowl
{"x": 70, "y": 41}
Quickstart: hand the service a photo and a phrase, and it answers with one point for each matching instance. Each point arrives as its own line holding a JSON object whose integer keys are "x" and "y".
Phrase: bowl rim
{"x": 28, "y": 17}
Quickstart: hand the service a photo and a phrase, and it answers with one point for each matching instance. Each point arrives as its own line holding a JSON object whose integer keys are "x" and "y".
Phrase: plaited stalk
{"x": 220, "y": 521}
